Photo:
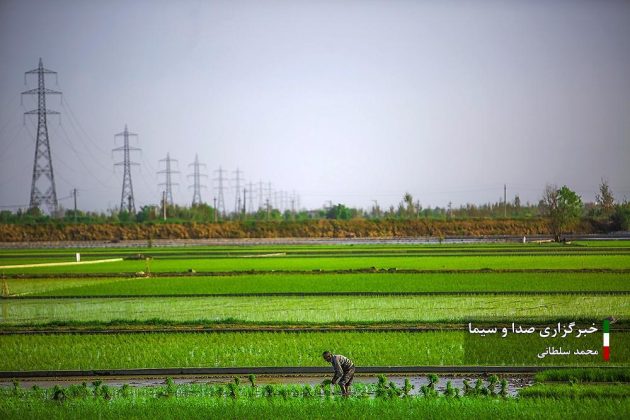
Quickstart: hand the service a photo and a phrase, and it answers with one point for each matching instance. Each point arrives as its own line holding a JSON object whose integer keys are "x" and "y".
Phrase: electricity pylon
{"x": 197, "y": 186}
{"x": 43, "y": 175}
{"x": 220, "y": 190}
{"x": 168, "y": 172}
{"x": 126, "y": 198}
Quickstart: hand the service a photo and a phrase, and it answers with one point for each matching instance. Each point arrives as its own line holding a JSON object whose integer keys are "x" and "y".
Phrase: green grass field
{"x": 324, "y": 283}
{"x": 230, "y": 349}
{"x": 328, "y": 263}
{"x": 319, "y": 309}
{"x": 540, "y": 284}
{"x": 194, "y": 406}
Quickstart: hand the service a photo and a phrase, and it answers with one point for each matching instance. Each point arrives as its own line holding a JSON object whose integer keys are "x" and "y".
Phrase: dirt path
{"x": 61, "y": 263}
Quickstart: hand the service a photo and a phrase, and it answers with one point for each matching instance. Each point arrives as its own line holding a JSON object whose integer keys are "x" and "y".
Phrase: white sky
{"x": 348, "y": 101}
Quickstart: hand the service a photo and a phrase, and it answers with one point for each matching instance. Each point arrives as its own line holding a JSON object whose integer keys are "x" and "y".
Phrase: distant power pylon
{"x": 261, "y": 199}
{"x": 126, "y": 198}
{"x": 237, "y": 188}
{"x": 220, "y": 187}
{"x": 250, "y": 198}
{"x": 269, "y": 195}
{"x": 43, "y": 176}
{"x": 168, "y": 171}
{"x": 197, "y": 186}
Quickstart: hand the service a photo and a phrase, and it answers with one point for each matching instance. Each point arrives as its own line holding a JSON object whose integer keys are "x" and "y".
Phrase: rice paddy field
{"x": 256, "y": 306}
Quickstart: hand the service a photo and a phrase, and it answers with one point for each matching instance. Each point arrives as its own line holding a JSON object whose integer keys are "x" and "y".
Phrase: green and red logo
{"x": 606, "y": 347}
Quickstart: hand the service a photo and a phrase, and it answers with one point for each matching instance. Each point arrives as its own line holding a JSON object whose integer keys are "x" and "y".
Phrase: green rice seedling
{"x": 233, "y": 390}
{"x": 268, "y": 390}
{"x": 492, "y": 384}
{"x": 479, "y": 388}
{"x": 125, "y": 391}
{"x": 504, "y": 388}
{"x": 451, "y": 391}
{"x": 237, "y": 380}
{"x": 107, "y": 392}
{"x": 428, "y": 392}
{"x": 58, "y": 394}
{"x": 78, "y": 391}
{"x": 394, "y": 391}
{"x": 284, "y": 392}
{"x": 468, "y": 390}
{"x": 170, "y": 389}
{"x": 360, "y": 390}
{"x": 381, "y": 386}
{"x": 252, "y": 380}
{"x": 326, "y": 389}
{"x": 219, "y": 390}
{"x": 408, "y": 387}
{"x": 15, "y": 389}
{"x": 308, "y": 391}
{"x": 433, "y": 380}
{"x": 96, "y": 388}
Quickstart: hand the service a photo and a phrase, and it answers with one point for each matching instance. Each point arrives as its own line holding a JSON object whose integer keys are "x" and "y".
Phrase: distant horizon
{"x": 345, "y": 102}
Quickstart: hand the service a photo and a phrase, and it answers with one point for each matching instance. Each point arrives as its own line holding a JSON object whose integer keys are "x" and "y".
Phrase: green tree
{"x": 605, "y": 199}
{"x": 621, "y": 217}
{"x": 563, "y": 207}
{"x": 339, "y": 212}
{"x": 410, "y": 208}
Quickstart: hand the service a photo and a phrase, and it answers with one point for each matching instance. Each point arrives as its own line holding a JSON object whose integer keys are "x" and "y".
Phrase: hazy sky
{"x": 349, "y": 101}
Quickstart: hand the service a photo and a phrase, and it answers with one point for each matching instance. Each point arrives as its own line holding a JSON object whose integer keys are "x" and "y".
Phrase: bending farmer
{"x": 344, "y": 371}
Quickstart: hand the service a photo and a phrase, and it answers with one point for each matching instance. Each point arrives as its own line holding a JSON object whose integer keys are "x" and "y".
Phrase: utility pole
{"x": 504, "y": 200}
{"x": 220, "y": 186}
{"x": 43, "y": 189}
{"x": 215, "y": 212}
{"x": 244, "y": 201}
{"x": 197, "y": 186}
{"x": 168, "y": 172}
{"x": 74, "y": 194}
{"x": 164, "y": 205}
{"x": 237, "y": 188}
{"x": 126, "y": 198}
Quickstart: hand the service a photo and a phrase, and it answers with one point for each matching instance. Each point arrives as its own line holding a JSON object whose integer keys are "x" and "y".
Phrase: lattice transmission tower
{"x": 220, "y": 187}
{"x": 197, "y": 185}
{"x": 237, "y": 190}
{"x": 43, "y": 189}
{"x": 126, "y": 198}
{"x": 168, "y": 172}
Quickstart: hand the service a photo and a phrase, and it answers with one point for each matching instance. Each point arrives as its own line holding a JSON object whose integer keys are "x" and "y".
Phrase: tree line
{"x": 560, "y": 206}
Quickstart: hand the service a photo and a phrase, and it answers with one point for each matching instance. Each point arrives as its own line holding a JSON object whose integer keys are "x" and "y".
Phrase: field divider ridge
{"x": 371, "y": 270}
{"x": 276, "y": 370}
{"x": 309, "y": 294}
